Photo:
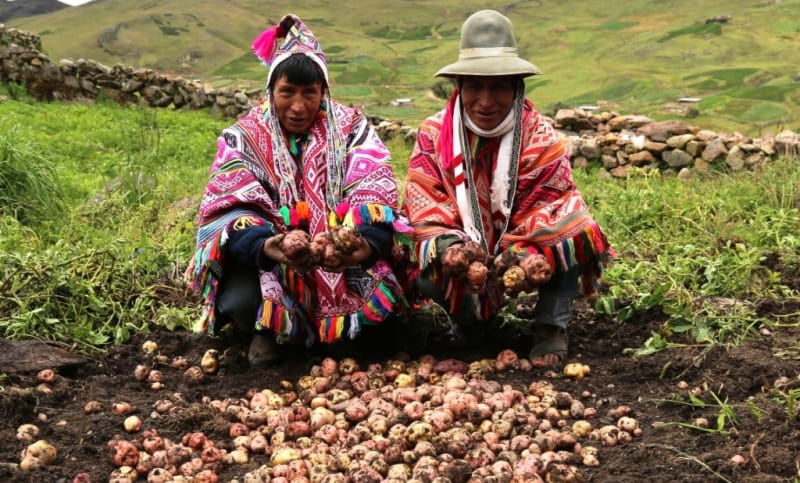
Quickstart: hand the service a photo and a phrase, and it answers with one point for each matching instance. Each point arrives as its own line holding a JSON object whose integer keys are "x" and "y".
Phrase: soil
{"x": 750, "y": 379}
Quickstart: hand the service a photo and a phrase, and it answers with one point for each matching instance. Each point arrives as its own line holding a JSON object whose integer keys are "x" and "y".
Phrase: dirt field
{"x": 746, "y": 378}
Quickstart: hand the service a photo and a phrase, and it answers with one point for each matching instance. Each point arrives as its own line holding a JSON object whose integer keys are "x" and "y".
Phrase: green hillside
{"x": 640, "y": 57}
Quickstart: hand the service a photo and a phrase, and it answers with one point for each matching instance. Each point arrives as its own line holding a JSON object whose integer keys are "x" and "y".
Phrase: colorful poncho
{"x": 535, "y": 208}
{"x": 251, "y": 186}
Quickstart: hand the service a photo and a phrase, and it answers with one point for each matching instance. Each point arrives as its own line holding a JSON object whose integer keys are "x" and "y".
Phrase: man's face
{"x": 297, "y": 105}
{"x": 487, "y": 100}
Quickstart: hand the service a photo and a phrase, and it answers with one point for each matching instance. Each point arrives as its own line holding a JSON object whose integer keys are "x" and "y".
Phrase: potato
{"x": 473, "y": 251}
{"x": 514, "y": 279}
{"x": 295, "y": 244}
{"x": 347, "y": 239}
{"x": 454, "y": 262}
{"x": 537, "y": 269}
{"x": 477, "y": 274}
{"x": 504, "y": 261}
{"x": 40, "y": 453}
{"x": 27, "y": 432}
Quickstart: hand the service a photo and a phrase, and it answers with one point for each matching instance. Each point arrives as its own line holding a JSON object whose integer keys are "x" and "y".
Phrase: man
{"x": 490, "y": 187}
{"x": 286, "y": 177}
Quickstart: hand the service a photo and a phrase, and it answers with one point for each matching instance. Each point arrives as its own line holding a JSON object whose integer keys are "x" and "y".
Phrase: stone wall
{"x": 620, "y": 143}
{"x": 623, "y": 143}
{"x": 22, "y": 62}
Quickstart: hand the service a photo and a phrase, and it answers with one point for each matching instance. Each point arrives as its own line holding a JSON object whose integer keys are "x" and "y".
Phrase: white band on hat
{"x": 487, "y": 52}
{"x": 311, "y": 55}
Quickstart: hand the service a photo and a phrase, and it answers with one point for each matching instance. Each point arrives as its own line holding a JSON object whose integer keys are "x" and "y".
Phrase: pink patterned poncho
{"x": 345, "y": 177}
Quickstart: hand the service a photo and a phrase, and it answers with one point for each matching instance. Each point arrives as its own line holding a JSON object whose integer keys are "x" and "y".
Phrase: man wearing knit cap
{"x": 491, "y": 198}
{"x": 297, "y": 220}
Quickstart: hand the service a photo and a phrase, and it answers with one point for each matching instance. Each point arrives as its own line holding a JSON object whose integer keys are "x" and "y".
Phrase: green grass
{"x": 617, "y": 25}
{"x": 637, "y": 61}
{"x": 112, "y": 225}
{"x": 702, "y": 29}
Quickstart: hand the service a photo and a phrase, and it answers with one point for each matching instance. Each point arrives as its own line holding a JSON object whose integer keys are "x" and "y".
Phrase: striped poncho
{"x": 248, "y": 187}
{"x": 544, "y": 211}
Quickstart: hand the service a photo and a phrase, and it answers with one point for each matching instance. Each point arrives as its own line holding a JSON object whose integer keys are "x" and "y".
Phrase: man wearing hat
{"x": 298, "y": 163}
{"x": 489, "y": 188}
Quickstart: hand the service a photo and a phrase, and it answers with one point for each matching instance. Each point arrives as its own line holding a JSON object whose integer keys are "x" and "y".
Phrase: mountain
{"x": 642, "y": 56}
{"x": 10, "y": 10}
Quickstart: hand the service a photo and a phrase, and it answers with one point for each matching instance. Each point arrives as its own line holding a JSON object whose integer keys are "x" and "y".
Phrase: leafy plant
{"x": 726, "y": 415}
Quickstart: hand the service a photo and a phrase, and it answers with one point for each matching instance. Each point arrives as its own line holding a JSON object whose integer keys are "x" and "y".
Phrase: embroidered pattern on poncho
{"x": 245, "y": 190}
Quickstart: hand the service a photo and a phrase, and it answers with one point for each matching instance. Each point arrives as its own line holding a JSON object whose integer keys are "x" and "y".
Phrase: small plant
{"x": 726, "y": 419}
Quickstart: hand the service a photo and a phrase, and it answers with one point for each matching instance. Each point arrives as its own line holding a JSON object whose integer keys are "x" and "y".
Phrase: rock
{"x": 641, "y": 158}
{"x": 21, "y": 356}
{"x": 663, "y": 130}
{"x": 676, "y": 158}
{"x": 628, "y": 122}
{"x": 715, "y": 150}
{"x": 735, "y": 159}
{"x": 678, "y": 142}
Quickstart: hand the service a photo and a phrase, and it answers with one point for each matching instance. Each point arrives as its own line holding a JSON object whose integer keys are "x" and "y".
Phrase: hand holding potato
{"x": 339, "y": 249}
{"x": 292, "y": 249}
{"x": 537, "y": 269}
{"x": 454, "y": 261}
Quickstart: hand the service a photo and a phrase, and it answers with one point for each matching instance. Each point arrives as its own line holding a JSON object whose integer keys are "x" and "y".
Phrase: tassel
{"x": 303, "y": 211}
{"x": 388, "y": 215}
{"x": 354, "y": 326}
{"x": 264, "y": 44}
{"x": 364, "y": 213}
{"x": 284, "y": 211}
{"x": 348, "y": 220}
{"x": 342, "y": 210}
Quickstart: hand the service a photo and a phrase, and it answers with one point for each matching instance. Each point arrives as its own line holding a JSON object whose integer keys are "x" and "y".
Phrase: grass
{"x": 73, "y": 272}
{"x": 637, "y": 60}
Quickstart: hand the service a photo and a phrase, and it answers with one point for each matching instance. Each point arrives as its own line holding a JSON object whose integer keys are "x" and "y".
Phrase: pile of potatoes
{"x": 402, "y": 420}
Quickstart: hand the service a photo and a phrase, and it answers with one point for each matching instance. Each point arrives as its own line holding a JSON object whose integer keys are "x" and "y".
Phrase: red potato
{"x": 451, "y": 365}
{"x": 504, "y": 261}
{"x": 537, "y": 269}
{"x": 196, "y": 440}
{"x": 507, "y": 359}
{"x": 295, "y": 244}
{"x": 194, "y": 375}
{"x": 151, "y": 444}
{"x": 329, "y": 367}
{"x": 474, "y": 251}
{"x": 477, "y": 274}
{"x": 121, "y": 408}
{"x": 124, "y": 453}
{"x": 316, "y": 248}
{"x": 46, "y": 376}
{"x": 454, "y": 262}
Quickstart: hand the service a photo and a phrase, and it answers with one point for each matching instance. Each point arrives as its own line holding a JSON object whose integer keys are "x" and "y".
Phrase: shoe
{"x": 549, "y": 340}
{"x": 263, "y": 349}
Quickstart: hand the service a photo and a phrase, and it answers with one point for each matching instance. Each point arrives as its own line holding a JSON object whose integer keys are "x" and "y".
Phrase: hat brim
{"x": 489, "y": 66}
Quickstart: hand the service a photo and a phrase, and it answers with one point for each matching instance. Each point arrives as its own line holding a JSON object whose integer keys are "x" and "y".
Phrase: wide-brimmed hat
{"x": 488, "y": 48}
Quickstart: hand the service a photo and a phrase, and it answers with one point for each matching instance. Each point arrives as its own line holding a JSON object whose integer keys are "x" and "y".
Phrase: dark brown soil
{"x": 749, "y": 379}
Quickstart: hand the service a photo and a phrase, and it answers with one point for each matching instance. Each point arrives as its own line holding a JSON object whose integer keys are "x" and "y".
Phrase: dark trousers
{"x": 239, "y": 295}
